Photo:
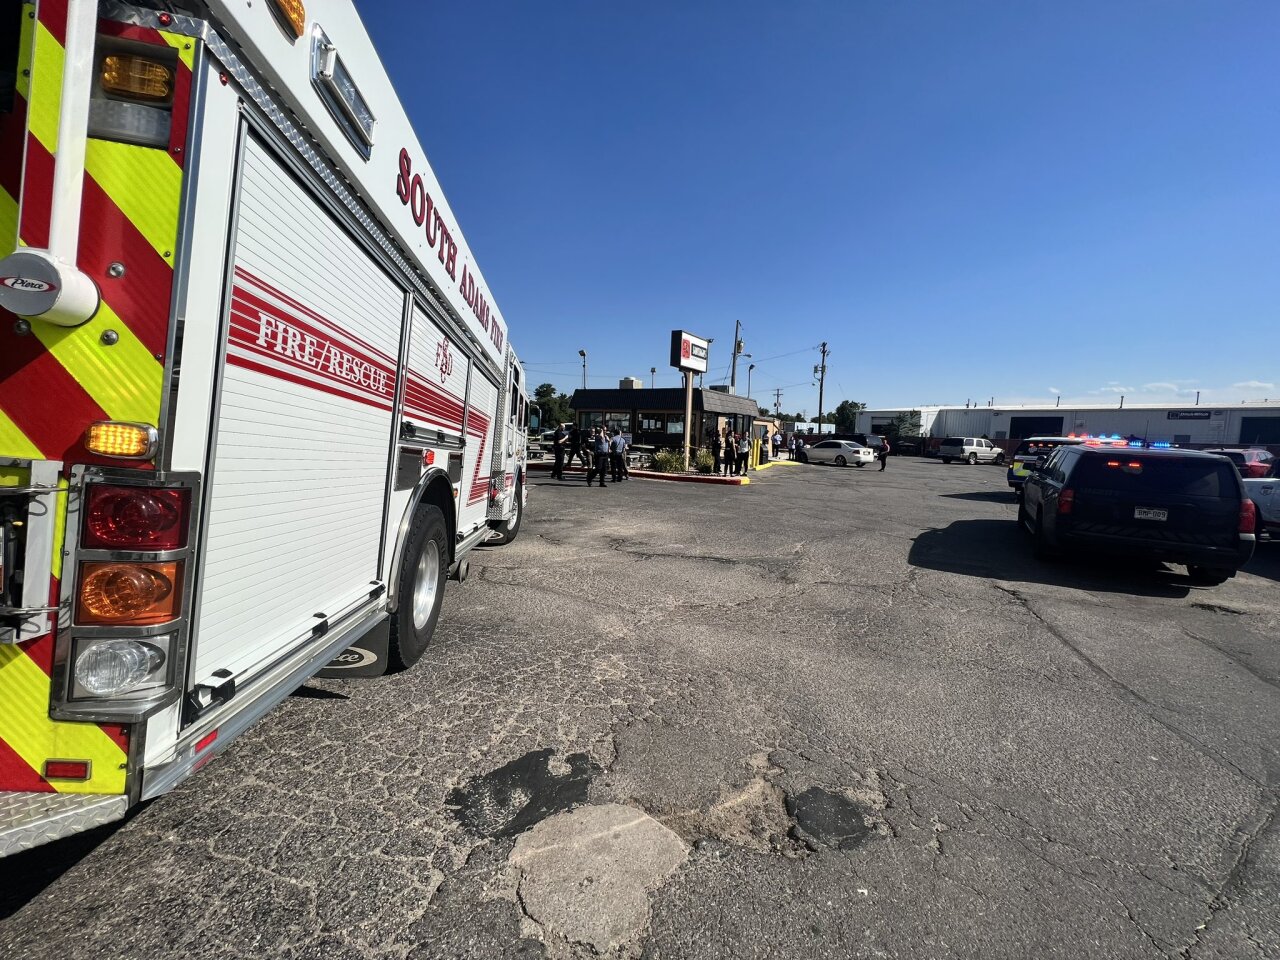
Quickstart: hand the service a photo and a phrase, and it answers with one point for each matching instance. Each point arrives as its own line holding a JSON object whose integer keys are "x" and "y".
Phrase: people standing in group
{"x": 883, "y": 453}
{"x": 717, "y": 445}
{"x": 558, "y": 443}
{"x": 598, "y": 444}
{"x": 618, "y": 456}
{"x": 777, "y": 446}
{"x": 730, "y": 453}
{"x": 764, "y": 447}
{"x": 799, "y": 454}
{"x": 744, "y": 452}
{"x": 791, "y": 446}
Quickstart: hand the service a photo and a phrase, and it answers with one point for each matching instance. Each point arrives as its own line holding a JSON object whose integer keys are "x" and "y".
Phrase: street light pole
{"x": 749, "y": 369}
{"x": 583, "y": 355}
{"x": 653, "y": 374}
{"x": 737, "y": 351}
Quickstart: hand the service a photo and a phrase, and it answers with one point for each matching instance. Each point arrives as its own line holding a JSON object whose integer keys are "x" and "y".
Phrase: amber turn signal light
{"x": 129, "y": 441}
{"x": 129, "y": 593}
{"x": 292, "y": 14}
{"x": 125, "y": 75}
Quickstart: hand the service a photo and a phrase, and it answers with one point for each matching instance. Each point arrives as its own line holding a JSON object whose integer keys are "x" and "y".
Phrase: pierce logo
{"x": 28, "y": 285}
{"x": 444, "y": 360}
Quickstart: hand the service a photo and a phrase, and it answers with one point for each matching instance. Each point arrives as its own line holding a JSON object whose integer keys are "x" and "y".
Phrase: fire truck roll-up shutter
{"x": 304, "y": 416}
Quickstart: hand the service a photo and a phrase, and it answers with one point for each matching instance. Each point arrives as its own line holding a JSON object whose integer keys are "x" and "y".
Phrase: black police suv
{"x": 1179, "y": 506}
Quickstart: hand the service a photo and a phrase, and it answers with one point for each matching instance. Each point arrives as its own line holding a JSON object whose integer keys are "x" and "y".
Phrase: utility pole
{"x": 820, "y": 371}
{"x": 583, "y": 355}
{"x": 737, "y": 350}
{"x": 777, "y": 402}
{"x": 653, "y": 373}
{"x": 749, "y": 369}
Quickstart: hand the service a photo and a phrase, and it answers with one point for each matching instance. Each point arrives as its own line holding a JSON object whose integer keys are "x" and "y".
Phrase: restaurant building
{"x": 655, "y": 417}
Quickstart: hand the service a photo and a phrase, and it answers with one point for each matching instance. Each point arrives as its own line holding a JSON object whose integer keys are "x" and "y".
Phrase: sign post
{"x": 689, "y": 355}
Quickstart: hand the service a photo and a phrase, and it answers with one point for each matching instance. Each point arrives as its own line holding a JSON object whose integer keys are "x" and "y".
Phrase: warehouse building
{"x": 1240, "y": 424}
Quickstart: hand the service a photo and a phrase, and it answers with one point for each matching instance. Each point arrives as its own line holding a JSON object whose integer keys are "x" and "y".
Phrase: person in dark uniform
{"x": 558, "y": 444}
{"x": 575, "y": 446}
{"x": 717, "y": 445}
{"x": 883, "y": 453}
{"x": 599, "y": 445}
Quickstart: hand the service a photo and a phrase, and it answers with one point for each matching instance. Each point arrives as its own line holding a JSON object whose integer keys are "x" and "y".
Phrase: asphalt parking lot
{"x": 834, "y": 713}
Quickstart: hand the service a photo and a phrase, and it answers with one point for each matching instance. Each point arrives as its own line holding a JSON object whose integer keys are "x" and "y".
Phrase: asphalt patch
{"x": 515, "y": 796}
{"x": 828, "y": 819}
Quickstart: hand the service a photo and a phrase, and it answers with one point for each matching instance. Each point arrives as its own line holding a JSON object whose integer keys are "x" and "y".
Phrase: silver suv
{"x": 970, "y": 450}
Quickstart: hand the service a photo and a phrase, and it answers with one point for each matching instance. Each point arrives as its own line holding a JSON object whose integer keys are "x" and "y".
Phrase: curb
{"x": 652, "y": 475}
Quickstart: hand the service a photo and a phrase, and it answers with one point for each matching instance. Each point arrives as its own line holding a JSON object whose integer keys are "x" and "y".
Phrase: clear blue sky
{"x": 964, "y": 199}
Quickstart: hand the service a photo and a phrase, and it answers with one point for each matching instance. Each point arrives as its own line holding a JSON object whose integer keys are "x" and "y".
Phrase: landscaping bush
{"x": 667, "y": 461}
{"x": 705, "y": 461}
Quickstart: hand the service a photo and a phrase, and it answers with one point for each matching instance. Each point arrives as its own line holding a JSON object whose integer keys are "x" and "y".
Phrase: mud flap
{"x": 366, "y": 658}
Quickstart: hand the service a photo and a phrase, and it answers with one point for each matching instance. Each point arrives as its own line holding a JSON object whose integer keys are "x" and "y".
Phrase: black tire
{"x": 1209, "y": 576}
{"x": 1024, "y": 518}
{"x": 946, "y": 459}
{"x": 841, "y": 462}
{"x": 508, "y": 530}
{"x": 999, "y": 459}
{"x": 414, "y": 621}
{"x": 804, "y": 457}
{"x": 1040, "y": 546}
{"x": 972, "y": 459}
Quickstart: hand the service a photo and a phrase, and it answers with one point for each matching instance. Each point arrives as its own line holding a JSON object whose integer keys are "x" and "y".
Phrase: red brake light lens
{"x": 135, "y": 518}
{"x": 1248, "y": 515}
{"x": 1066, "y": 501}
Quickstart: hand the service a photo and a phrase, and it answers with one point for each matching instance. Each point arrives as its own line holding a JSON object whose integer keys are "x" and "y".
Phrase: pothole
{"x": 827, "y": 819}
{"x": 519, "y": 794}
{"x": 586, "y": 876}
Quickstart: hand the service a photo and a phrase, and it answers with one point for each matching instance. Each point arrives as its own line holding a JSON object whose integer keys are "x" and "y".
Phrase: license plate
{"x": 1149, "y": 513}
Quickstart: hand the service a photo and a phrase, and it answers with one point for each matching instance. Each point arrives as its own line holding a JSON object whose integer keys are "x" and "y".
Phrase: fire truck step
{"x": 30, "y": 819}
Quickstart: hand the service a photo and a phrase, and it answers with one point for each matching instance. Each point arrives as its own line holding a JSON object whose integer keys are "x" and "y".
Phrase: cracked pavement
{"x": 1051, "y": 760}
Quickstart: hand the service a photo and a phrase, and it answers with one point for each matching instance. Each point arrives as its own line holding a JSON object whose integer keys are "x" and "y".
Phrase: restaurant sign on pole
{"x": 688, "y": 354}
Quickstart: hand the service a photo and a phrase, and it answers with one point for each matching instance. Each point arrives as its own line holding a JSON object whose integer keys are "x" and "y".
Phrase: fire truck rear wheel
{"x": 507, "y": 530}
{"x": 421, "y": 587}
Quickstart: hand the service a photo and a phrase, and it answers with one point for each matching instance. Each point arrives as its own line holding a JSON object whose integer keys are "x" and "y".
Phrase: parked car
{"x": 840, "y": 452}
{"x": 1265, "y": 494}
{"x": 1177, "y": 506}
{"x": 1251, "y": 462}
{"x": 1029, "y": 452}
{"x": 970, "y": 450}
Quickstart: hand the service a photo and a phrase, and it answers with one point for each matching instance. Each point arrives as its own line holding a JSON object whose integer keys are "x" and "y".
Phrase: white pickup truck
{"x": 1265, "y": 494}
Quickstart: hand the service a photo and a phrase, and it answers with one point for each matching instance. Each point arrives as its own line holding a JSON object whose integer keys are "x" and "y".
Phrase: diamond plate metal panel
{"x": 30, "y": 819}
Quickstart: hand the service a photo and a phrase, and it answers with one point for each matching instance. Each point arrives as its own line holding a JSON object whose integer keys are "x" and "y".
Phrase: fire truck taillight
{"x": 139, "y": 78}
{"x": 128, "y": 441}
{"x": 135, "y": 518}
{"x": 129, "y": 594}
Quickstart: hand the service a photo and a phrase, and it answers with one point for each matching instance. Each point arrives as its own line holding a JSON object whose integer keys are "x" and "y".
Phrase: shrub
{"x": 705, "y": 461}
{"x": 667, "y": 461}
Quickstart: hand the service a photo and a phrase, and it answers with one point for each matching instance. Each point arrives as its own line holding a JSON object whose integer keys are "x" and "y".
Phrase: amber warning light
{"x": 129, "y": 441}
{"x": 137, "y": 78}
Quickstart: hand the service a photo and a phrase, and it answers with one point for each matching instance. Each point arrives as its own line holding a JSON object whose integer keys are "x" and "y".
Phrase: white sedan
{"x": 840, "y": 452}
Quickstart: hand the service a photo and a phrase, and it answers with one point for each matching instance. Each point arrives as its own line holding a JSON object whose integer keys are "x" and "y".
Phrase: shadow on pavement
{"x": 1265, "y": 562}
{"x": 26, "y": 875}
{"x": 999, "y": 550}
{"x": 985, "y": 496}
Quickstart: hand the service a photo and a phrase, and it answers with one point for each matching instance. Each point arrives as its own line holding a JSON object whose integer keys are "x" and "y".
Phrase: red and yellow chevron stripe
{"x": 55, "y": 381}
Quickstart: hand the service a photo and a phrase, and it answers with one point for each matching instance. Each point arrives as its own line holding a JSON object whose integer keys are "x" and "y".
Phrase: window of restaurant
{"x": 587, "y": 420}
{"x": 653, "y": 422}
{"x": 621, "y": 421}
{"x": 675, "y": 423}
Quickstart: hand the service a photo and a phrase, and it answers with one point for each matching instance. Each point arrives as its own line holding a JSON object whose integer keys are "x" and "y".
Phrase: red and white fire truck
{"x": 257, "y": 403}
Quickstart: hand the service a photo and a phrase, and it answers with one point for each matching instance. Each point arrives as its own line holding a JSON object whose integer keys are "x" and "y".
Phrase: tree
{"x": 904, "y": 425}
{"x": 765, "y": 412}
{"x": 845, "y": 416}
{"x": 555, "y": 407}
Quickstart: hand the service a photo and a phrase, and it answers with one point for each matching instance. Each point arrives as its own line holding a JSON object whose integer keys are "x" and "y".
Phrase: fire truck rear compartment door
{"x": 481, "y": 416}
{"x": 299, "y": 467}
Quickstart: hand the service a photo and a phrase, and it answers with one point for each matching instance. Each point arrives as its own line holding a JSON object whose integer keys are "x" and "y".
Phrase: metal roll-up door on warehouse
{"x": 298, "y": 478}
